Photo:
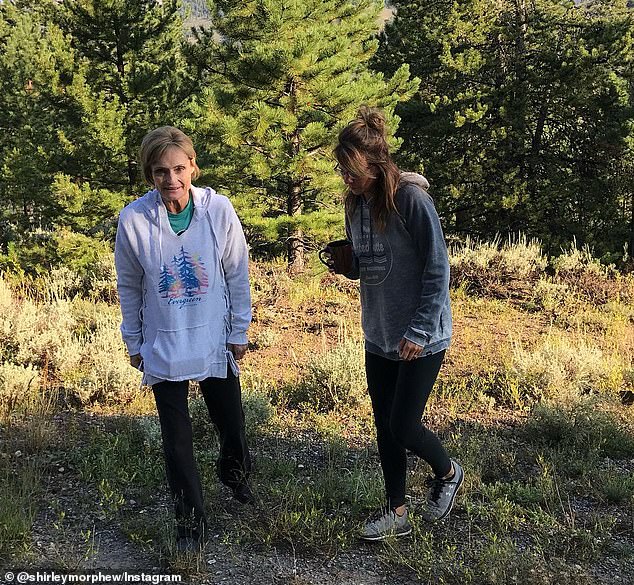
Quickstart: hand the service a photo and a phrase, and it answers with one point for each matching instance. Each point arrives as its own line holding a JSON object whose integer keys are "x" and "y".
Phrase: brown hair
{"x": 158, "y": 141}
{"x": 363, "y": 145}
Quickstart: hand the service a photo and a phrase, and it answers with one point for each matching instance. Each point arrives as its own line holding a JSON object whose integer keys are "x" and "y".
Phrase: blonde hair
{"x": 158, "y": 141}
{"x": 362, "y": 145}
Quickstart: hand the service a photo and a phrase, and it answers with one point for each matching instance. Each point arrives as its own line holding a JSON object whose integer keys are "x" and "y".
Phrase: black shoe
{"x": 188, "y": 544}
{"x": 242, "y": 492}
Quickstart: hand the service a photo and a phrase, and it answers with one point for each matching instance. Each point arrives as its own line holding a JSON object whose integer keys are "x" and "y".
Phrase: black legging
{"x": 399, "y": 391}
{"x": 224, "y": 403}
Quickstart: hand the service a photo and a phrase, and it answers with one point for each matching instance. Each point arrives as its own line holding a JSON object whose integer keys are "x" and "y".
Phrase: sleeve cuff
{"x": 421, "y": 338}
{"x": 133, "y": 347}
{"x": 238, "y": 338}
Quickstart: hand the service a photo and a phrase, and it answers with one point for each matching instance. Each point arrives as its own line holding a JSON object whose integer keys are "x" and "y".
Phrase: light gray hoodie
{"x": 404, "y": 272}
{"x": 183, "y": 298}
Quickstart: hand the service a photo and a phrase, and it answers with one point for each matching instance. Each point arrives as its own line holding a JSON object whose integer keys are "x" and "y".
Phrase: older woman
{"x": 182, "y": 277}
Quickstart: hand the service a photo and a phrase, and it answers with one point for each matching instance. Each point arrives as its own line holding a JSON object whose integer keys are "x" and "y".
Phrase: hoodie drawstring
{"x": 371, "y": 231}
{"x": 160, "y": 234}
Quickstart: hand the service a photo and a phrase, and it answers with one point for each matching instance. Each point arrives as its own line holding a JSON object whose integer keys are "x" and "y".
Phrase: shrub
{"x": 333, "y": 378}
{"x": 103, "y": 373}
{"x": 562, "y": 368}
{"x": 551, "y": 296}
{"x": 578, "y": 261}
{"x": 75, "y": 346}
{"x": 581, "y": 427}
{"x": 596, "y": 282}
{"x": 43, "y": 335}
{"x": 19, "y": 389}
{"x": 496, "y": 269}
{"x": 67, "y": 262}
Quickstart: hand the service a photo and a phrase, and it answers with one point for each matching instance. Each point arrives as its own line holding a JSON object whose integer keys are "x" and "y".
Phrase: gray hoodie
{"x": 404, "y": 273}
{"x": 183, "y": 297}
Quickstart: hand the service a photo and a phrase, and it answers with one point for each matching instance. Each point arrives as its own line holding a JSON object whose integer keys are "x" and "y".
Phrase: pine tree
{"x": 41, "y": 77}
{"x": 201, "y": 274}
{"x": 133, "y": 51}
{"x": 166, "y": 281}
{"x": 187, "y": 274}
{"x": 280, "y": 80}
{"x": 35, "y": 65}
{"x": 522, "y": 111}
{"x": 177, "y": 287}
{"x": 71, "y": 126}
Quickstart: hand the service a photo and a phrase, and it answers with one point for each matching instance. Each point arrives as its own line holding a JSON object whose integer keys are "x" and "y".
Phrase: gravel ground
{"x": 71, "y": 535}
{"x": 110, "y": 551}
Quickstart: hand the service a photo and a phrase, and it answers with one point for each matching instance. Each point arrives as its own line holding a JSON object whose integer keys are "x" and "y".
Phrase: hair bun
{"x": 373, "y": 118}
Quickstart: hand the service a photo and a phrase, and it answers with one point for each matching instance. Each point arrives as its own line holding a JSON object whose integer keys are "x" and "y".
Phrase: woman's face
{"x": 360, "y": 182}
{"x": 172, "y": 176}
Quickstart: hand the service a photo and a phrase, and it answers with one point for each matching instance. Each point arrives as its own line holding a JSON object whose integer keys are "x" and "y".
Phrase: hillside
{"x": 533, "y": 399}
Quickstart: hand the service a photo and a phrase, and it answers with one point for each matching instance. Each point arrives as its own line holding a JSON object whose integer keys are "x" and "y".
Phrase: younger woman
{"x": 401, "y": 260}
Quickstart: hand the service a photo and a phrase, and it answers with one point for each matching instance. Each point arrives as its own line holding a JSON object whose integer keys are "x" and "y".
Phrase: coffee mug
{"x": 338, "y": 256}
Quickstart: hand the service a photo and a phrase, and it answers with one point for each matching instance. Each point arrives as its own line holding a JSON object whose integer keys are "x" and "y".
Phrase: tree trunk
{"x": 295, "y": 242}
{"x": 122, "y": 42}
{"x": 631, "y": 242}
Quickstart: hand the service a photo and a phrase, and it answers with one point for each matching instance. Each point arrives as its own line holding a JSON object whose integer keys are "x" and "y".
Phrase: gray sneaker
{"x": 384, "y": 523}
{"x": 441, "y": 494}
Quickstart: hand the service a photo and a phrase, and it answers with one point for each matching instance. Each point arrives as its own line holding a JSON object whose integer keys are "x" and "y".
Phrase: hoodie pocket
{"x": 181, "y": 353}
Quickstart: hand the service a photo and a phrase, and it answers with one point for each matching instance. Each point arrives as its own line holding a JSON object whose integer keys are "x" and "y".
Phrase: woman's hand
{"x": 238, "y": 350}
{"x": 136, "y": 360}
{"x": 327, "y": 261}
{"x": 408, "y": 350}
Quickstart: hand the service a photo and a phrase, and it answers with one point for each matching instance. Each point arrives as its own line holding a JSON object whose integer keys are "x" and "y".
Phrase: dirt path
{"x": 109, "y": 551}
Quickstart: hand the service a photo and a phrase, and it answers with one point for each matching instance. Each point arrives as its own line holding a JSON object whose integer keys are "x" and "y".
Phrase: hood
{"x": 153, "y": 208}
{"x": 415, "y": 179}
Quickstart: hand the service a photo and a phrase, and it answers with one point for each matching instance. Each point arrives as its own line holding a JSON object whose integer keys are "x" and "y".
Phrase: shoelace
{"x": 436, "y": 486}
{"x": 378, "y": 514}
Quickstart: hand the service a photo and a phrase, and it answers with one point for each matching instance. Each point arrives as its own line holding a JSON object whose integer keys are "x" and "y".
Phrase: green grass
{"x": 20, "y": 489}
{"x": 583, "y": 428}
{"x": 123, "y": 460}
{"x": 614, "y": 486}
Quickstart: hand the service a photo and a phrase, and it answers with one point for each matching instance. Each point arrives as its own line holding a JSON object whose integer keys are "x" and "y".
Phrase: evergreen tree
{"x": 279, "y": 81}
{"x": 166, "y": 281}
{"x": 187, "y": 274}
{"x": 133, "y": 48}
{"x": 201, "y": 274}
{"x": 35, "y": 68}
{"x": 176, "y": 288}
{"x": 522, "y": 111}
{"x": 41, "y": 78}
{"x": 81, "y": 85}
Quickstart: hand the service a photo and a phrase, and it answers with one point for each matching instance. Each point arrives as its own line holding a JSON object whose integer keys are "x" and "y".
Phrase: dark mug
{"x": 338, "y": 256}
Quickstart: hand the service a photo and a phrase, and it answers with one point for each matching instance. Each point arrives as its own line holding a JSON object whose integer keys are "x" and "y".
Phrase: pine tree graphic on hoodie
{"x": 185, "y": 277}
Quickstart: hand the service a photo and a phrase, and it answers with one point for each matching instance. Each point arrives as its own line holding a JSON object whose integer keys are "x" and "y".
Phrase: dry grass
{"x": 565, "y": 368}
